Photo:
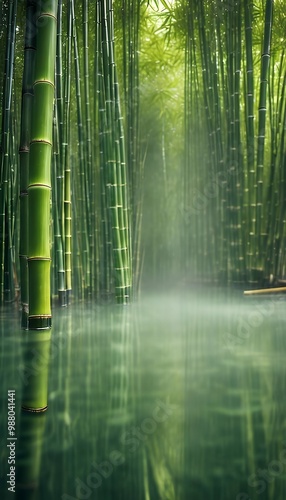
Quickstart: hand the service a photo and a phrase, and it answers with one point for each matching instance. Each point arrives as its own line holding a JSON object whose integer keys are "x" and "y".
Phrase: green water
{"x": 175, "y": 397}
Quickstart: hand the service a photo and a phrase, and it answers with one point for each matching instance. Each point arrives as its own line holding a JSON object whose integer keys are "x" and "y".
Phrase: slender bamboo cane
{"x": 57, "y": 249}
{"x": 264, "y": 72}
{"x": 89, "y": 159}
{"x": 265, "y": 290}
{"x": 249, "y": 108}
{"x": 275, "y": 179}
{"x": 6, "y": 254}
{"x": 66, "y": 159}
{"x": 105, "y": 243}
{"x": 130, "y": 15}
{"x": 59, "y": 161}
{"x": 82, "y": 179}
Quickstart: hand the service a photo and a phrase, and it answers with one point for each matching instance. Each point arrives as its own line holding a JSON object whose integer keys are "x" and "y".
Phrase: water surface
{"x": 175, "y": 397}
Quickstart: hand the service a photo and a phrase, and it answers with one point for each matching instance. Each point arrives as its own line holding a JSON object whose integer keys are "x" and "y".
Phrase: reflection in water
{"x": 34, "y": 375}
{"x": 164, "y": 399}
{"x": 235, "y": 418}
{"x": 31, "y": 422}
{"x": 28, "y": 462}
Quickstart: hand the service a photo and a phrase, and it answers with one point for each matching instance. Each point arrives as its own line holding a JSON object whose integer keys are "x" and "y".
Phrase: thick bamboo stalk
{"x": 39, "y": 188}
{"x": 39, "y": 182}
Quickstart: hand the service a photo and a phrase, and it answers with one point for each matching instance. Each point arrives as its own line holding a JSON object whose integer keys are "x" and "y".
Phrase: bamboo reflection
{"x": 233, "y": 422}
{"x": 34, "y": 380}
{"x": 218, "y": 433}
{"x": 36, "y": 352}
{"x": 161, "y": 379}
{"x": 121, "y": 387}
{"x": 59, "y": 436}
{"x": 30, "y": 442}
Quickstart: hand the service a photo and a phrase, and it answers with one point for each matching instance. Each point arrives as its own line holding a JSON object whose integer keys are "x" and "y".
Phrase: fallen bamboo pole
{"x": 265, "y": 290}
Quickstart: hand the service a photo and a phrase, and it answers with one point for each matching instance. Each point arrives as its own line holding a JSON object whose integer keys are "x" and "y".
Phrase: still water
{"x": 174, "y": 397}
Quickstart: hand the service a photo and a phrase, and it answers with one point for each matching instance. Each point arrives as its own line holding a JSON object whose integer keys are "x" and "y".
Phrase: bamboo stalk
{"x": 88, "y": 152}
{"x": 26, "y": 116}
{"x": 249, "y": 109}
{"x": 58, "y": 251}
{"x": 61, "y": 144}
{"x": 82, "y": 178}
{"x": 265, "y": 290}
{"x": 6, "y": 253}
{"x": 113, "y": 156}
{"x": 67, "y": 199}
{"x": 264, "y": 77}
{"x": 39, "y": 188}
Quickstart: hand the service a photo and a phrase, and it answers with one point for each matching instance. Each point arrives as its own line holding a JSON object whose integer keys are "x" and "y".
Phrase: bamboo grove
{"x": 235, "y": 55}
{"x": 89, "y": 198}
{"x": 166, "y": 143}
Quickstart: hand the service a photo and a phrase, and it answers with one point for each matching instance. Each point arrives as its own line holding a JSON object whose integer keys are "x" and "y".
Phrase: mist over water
{"x": 175, "y": 396}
